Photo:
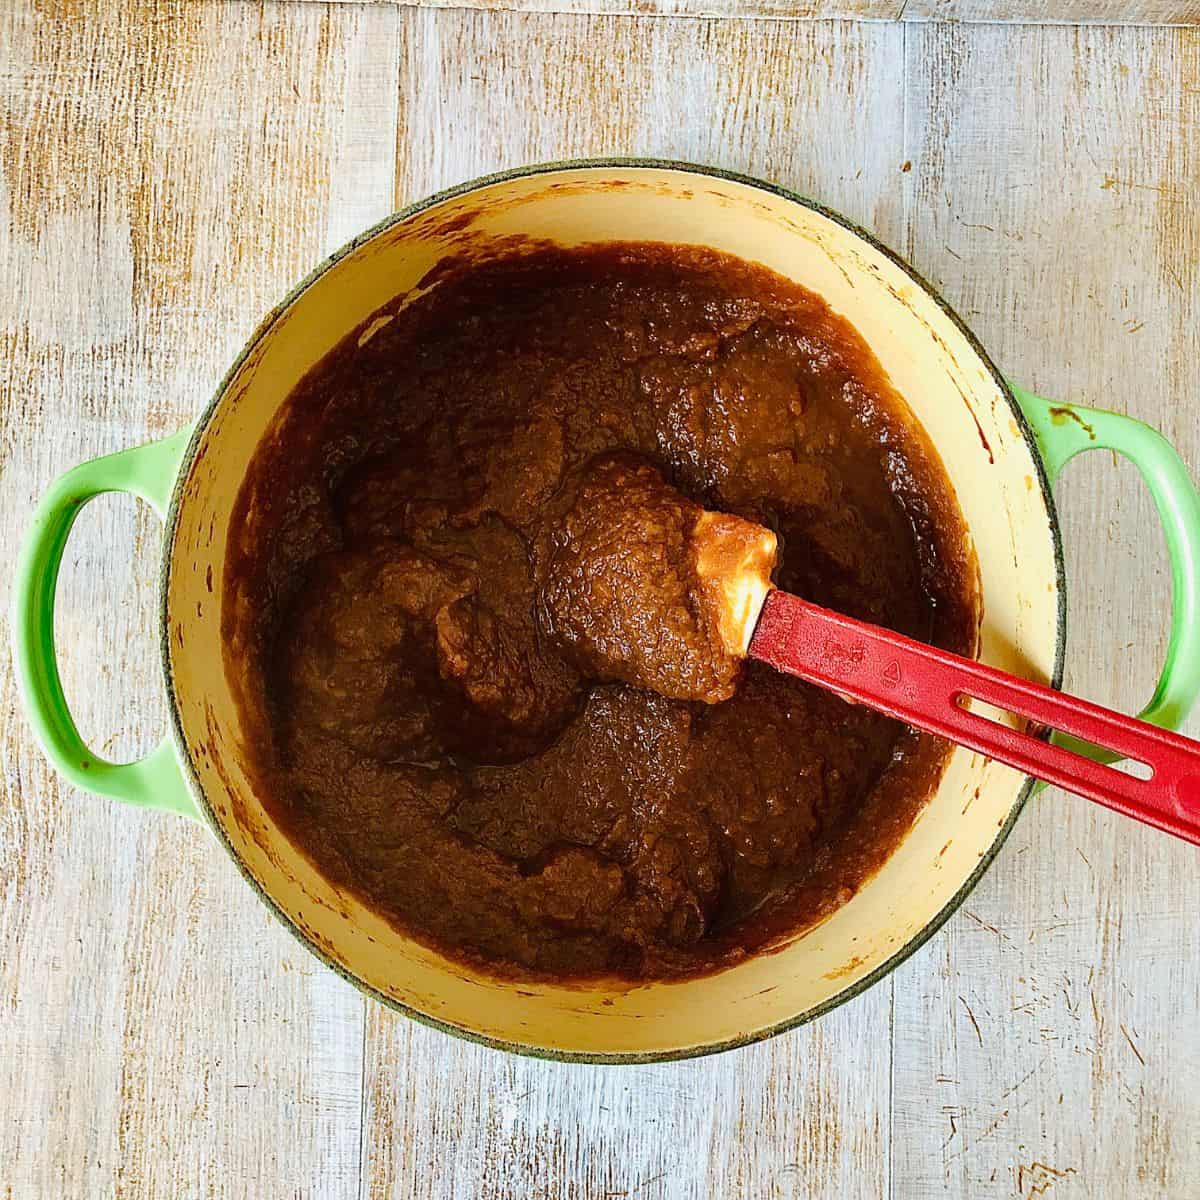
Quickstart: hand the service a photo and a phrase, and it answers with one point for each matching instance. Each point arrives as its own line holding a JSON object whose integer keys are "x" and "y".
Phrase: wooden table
{"x": 166, "y": 172}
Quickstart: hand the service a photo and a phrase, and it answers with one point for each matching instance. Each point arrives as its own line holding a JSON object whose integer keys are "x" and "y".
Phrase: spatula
{"x": 630, "y": 590}
{"x": 930, "y": 689}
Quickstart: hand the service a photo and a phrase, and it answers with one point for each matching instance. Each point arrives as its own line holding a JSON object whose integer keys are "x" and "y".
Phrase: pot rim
{"x": 171, "y": 530}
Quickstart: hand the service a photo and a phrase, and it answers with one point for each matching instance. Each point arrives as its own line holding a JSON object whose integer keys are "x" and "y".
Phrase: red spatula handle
{"x": 925, "y": 688}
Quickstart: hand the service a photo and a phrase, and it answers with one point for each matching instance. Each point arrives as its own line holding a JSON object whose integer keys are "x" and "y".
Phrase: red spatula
{"x": 927, "y": 688}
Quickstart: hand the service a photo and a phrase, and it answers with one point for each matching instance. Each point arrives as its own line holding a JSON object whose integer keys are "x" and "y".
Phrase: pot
{"x": 1001, "y": 448}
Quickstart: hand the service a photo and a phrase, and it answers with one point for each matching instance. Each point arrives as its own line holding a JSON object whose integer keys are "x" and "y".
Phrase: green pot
{"x": 1001, "y": 447}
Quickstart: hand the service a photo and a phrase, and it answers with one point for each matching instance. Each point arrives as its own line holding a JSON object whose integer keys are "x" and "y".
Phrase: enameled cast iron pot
{"x": 1001, "y": 447}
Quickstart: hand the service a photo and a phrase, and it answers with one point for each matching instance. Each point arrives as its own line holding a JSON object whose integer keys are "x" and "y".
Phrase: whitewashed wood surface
{"x": 1098, "y": 12}
{"x": 1055, "y": 12}
{"x": 166, "y": 171}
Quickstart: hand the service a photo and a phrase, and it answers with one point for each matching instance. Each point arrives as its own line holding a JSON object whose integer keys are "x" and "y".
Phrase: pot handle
{"x": 148, "y": 471}
{"x": 1064, "y": 430}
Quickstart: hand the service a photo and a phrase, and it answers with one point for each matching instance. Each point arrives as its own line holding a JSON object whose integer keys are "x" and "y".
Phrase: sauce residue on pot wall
{"x": 432, "y": 743}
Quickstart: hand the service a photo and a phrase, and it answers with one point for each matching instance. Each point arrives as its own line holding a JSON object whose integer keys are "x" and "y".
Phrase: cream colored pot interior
{"x": 932, "y": 365}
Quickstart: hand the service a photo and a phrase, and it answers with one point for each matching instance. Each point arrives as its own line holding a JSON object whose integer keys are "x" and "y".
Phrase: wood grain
{"x": 1046, "y": 1043}
{"x": 792, "y": 10}
{"x": 480, "y": 92}
{"x": 1058, "y": 12}
{"x": 802, "y": 1116}
{"x": 166, "y": 171}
